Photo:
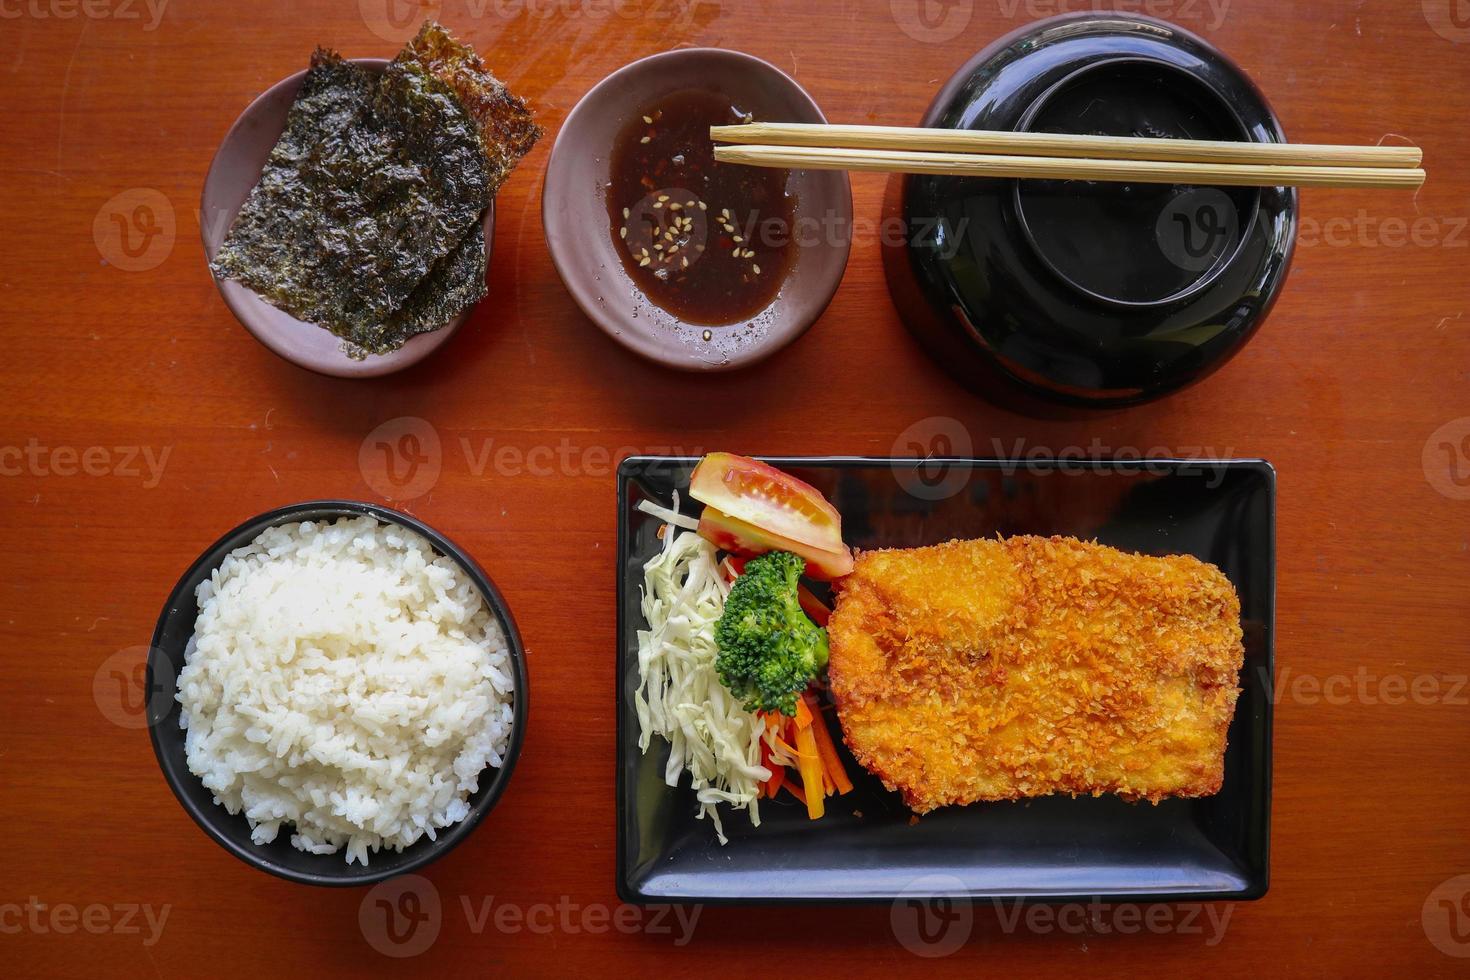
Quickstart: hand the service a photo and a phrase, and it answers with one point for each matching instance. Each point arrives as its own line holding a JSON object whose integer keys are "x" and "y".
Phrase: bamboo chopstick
{"x": 905, "y": 138}
{"x": 1068, "y": 168}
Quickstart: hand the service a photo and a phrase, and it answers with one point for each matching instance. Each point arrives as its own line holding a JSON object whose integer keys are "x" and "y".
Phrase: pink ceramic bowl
{"x": 574, "y": 213}
{"x": 233, "y": 174}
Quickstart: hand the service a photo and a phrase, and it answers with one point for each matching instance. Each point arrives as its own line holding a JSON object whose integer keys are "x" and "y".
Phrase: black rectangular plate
{"x": 1048, "y": 849}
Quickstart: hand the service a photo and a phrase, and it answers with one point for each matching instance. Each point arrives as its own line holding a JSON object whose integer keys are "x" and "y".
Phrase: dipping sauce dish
{"x": 760, "y": 292}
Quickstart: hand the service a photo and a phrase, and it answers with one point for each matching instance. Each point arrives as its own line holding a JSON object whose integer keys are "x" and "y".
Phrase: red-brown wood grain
{"x": 1345, "y": 390}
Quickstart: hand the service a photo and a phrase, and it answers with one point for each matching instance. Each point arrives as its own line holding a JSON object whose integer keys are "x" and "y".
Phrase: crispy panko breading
{"x": 999, "y": 669}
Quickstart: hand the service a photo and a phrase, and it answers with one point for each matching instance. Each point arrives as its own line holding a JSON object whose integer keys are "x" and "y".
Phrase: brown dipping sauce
{"x": 709, "y": 242}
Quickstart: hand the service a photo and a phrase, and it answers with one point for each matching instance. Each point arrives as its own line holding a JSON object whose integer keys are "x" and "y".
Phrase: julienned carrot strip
{"x": 810, "y": 764}
{"x": 773, "y": 785}
{"x": 803, "y": 714}
{"x": 795, "y": 791}
{"x": 831, "y": 761}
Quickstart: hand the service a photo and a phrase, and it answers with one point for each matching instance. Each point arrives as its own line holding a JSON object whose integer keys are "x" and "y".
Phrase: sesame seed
{"x": 703, "y": 206}
{"x": 675, "y": 206}
{"x": 645, "y": 139}
{"x": 623, "y": 232}
{"x": 625, "y": 212}
{"x": 736, "y": 238}
{"x": 658, "y": 204}
{"x": 648, "y": 119}
{"x": 662, "y": 198}
{"x": 684, "y": 263}
{"x": 755, "y": 268}
{"x": 643, "y": 261}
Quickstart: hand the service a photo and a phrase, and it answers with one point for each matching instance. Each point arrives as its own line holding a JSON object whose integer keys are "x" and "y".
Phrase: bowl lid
{"x": 1082, "y": 292}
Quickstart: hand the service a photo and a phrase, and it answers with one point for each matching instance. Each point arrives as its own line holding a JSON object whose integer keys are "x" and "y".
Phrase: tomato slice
{"x": 758, "y": 494}
{"x": 732, "y": 534}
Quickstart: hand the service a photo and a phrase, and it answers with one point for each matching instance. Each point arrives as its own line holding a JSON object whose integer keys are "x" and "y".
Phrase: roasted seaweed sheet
{"x": 366, "y": 219}
{"x": 507, "y": 131}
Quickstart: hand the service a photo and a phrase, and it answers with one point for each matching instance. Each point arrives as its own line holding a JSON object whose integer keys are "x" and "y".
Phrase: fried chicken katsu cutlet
{"x": 999, "y": 669}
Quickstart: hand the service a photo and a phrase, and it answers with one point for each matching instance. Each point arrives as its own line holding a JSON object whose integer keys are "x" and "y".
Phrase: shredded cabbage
{"x": 679, "y": 696}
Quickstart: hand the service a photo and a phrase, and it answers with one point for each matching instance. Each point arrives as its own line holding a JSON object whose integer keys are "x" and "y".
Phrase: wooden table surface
{"x": 138, "y": 421}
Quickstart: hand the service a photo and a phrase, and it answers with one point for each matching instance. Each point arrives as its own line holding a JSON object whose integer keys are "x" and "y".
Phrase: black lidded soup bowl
{"x": 1057, "y": 297}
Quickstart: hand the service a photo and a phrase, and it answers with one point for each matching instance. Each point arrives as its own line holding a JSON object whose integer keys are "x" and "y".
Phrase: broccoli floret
{"x": 768, "y": 649}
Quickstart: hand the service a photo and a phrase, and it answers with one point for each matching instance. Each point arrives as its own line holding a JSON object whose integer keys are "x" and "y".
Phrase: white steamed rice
{"x": 345, "y": 680}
